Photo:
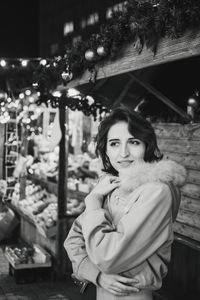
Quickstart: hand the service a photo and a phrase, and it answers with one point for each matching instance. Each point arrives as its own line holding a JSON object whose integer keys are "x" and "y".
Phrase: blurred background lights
{"x": 24, "y": 62}
{"x": 21, "y": 96}
{"x": 2, "y": 63}
{"x": 31, "y": 99}
{"x": 28, "y": 92}
{"x": 9, "y": 99}
{"x": 57, "y": 94}
{"x": 72, "y": 92}
{"x": 43, "y": 62}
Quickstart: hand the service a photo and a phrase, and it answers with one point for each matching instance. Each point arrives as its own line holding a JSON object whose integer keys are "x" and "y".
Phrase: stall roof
{"x": 129, "y": 60}
{"x": 169, "y": 75}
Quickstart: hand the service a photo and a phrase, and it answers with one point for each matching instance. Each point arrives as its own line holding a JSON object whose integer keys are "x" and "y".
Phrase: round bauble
{"x": 101, "y": 51}
{"x": 35, "y": 85}
{"x": 66, "y": 76}
{"x": 89, "y": 55}
{"x": 192, "y": 102}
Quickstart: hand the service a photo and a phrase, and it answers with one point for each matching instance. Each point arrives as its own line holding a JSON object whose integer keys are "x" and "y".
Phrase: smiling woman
{"x": 126, "y": 130}
{"x": 122, "y": 148}
{"x": 122, "y": 241}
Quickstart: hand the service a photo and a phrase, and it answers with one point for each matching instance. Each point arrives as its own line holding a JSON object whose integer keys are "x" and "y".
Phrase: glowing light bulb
{"x": 3, "y": 63}
{"x": 57, "y": 94}
{"x": 24, "y": 62}
{"x": 31, "y": 99}
{"x": 9, "y": 99}
{"x": 28, "y": 92}
{"x": 21, "y": 95}
{"x": 43, "y": 62}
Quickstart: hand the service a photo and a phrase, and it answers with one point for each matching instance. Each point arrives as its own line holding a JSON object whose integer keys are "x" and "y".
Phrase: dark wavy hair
{"x": 139, "y": 127}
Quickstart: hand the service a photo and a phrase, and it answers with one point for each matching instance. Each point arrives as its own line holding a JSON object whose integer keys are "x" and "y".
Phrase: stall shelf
{"x": 32, "y": 233}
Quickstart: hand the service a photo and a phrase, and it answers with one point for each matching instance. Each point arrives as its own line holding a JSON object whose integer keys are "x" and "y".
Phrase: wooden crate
{"x": 30, "y": 272}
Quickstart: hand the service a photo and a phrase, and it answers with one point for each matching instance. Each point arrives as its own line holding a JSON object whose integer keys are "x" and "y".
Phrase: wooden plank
{"x": 189, "y": 231}
{"x": 168, "y": 50}
{"x": 191, "y": 161}
{"x": 193, "y": 177}
{"x": 180, "y": 146}
{"x": 2, "y": 129}
{"x": 190, "y": 204}
{"x": 189, "y": 218}
{"x": 174, "y": 131}
{"x": 191, "y": 190}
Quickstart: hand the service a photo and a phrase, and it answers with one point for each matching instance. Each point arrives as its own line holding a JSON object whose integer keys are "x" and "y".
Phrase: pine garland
{"x": 140, "y": 22}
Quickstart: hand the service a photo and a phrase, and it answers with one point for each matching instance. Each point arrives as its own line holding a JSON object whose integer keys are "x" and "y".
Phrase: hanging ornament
{"x": 89, "y": 55}
{"x": 35, "y": 85}
{"x": 101, "y": 51}
{"x": 93, "y": 75}
{"x": 66, "y": 76}
{"x": 192, "y": 105}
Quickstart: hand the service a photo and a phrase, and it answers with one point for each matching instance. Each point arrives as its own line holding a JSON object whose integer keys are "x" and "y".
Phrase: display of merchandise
{"x": 11, "y": 146}
{"x": 28, "y": 263}
{"x": 41, "y": 206}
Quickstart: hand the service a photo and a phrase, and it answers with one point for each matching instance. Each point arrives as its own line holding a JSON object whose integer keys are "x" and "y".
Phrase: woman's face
{"x": 122, "y": 148}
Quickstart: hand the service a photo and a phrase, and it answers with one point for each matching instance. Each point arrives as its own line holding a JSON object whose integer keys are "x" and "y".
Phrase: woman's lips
{"x": 125, "y": 163}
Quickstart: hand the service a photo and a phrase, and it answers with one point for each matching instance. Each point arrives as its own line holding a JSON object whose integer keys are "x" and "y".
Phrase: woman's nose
{"x": 124, "y": 151}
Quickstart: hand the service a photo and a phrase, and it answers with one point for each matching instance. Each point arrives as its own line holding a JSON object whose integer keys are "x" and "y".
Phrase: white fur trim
{"x": 142, "y": 172}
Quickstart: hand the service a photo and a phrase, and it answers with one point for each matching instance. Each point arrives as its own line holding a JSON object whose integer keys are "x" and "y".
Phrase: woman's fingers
{"x": 126, "y": 288}
{"x": 126, "y": 279}
{"x": 117, "y": 284}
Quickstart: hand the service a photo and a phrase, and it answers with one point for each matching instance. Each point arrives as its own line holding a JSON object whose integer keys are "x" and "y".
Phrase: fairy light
{"x": 27, "y": 92}
{"x": 57, "y": 94}
{"x": 24, "y": 63}
{"x": 43, "y": 62}
{"x": 21, "y": 96}
{"x": 31, "y": 99}
{"x": 2, "y": 63}
{"x": 25, "y": 108}
{"x": 72, "y": 92}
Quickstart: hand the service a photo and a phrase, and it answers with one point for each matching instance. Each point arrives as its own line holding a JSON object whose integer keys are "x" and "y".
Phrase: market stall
{"x": 130, "y": 77}
{"x": 179, "y": 139}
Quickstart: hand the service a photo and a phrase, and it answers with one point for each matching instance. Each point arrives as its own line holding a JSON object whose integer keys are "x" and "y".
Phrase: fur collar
{"x": 142, "y": 172}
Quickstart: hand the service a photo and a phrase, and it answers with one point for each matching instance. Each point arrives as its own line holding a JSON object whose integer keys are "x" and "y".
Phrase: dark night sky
{"x": 19, "y": 28}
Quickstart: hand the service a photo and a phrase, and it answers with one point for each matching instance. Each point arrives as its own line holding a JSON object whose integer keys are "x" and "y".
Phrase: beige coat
{"x": 131, "y": 236}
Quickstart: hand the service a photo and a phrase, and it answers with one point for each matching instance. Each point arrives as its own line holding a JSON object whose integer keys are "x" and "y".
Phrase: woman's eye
{"x": 134, "y": 142}
{"x": 114, "y": 144}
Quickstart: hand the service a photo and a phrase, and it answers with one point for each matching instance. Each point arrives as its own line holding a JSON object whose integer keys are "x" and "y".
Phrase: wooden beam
{"x": 123, "y": 92}
{"x": 161, "y": 97}
{"x": 99, "y": 84}
{"x": 62, "y": 264}
{"x": 129, "y": 60}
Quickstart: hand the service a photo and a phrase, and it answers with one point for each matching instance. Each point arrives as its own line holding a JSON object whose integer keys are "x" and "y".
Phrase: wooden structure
{"x": 178, "y": 142}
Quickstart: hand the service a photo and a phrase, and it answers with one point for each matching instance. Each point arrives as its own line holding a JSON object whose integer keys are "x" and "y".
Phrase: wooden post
{"x": 23, "y": 174}
{"x": 62, "y": 264}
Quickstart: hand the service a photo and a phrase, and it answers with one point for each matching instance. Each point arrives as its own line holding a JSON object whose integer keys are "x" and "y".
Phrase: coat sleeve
{"x": 74, "y": 244}
{"x": 139, "y": 234}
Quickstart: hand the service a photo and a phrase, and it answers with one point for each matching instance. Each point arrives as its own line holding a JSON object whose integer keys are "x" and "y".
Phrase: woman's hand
{"x": 117, "y": 284}
{"x": 106, "y": 185}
